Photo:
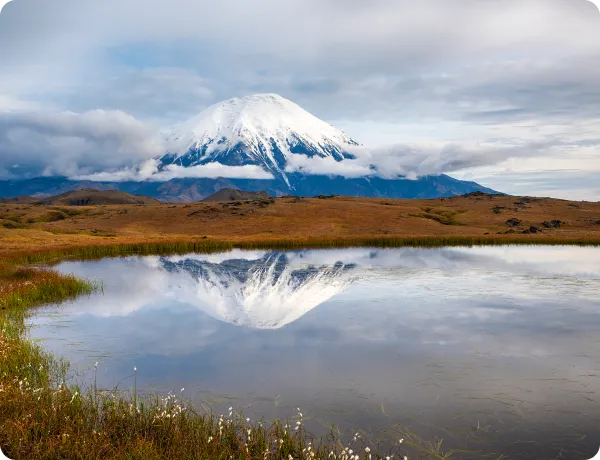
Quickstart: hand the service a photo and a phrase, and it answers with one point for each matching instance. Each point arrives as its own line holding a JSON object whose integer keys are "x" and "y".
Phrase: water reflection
{"x": 444, "y": 341}
{"x": 265, "y": 293}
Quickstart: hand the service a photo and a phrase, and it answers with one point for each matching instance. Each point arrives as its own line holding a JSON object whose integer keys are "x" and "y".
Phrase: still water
{"x": 495, "y": 349}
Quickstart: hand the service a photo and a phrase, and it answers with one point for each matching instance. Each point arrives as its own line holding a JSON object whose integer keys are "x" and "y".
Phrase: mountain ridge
{"x": 193, "y": 189}
{"x": 82, "y": 197}
{"x": 260, "y": 129}
{"x": 232, "y": 194}
{"x": 267, "y": 132}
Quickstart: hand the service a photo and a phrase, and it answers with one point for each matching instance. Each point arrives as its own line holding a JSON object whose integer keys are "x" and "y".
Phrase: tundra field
{"x": 321, "y": 221}
{"x": 42, "y": 418}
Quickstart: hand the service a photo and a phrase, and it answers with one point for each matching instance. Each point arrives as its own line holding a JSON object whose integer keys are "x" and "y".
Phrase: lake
{"x": 494, "y": 349}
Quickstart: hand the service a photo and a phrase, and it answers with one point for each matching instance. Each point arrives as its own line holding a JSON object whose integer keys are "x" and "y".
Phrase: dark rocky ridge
{"x": 195, "y": 189}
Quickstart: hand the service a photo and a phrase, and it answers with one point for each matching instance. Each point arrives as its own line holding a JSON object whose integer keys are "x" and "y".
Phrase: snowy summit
{"x": 262, "y": 129}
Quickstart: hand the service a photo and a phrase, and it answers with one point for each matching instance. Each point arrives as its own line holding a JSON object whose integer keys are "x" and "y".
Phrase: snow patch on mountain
{"x": 262, "y": 129}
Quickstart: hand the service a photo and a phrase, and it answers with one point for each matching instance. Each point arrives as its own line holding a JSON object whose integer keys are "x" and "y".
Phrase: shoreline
{"x": 39, "y": 416}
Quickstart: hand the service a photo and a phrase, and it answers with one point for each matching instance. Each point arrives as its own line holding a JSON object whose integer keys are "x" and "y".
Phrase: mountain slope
{"x": 268, "y": 132}
{"x": 93, "y": 197}
{"x": 262, "y": 129}
{"x": 192, "y": 189}
{"x": 232, "y": 194}
{"x": 83, "y": 197}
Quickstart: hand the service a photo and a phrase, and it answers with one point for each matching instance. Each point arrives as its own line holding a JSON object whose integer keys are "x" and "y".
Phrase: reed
{"x": 180, "y": 247}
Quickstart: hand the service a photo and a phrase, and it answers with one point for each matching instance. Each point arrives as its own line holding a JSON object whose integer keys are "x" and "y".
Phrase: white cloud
{"x": 416, "y": 160}
{"x": 149, "y": 170}
{"x": 69, "y": 143}
{"x": 152, "y": 93}
{"x": 213, "y": 170}
{"x": 397, "y": 71}
{"x": 11, "y": 103}
{"x": 327, "y": 166}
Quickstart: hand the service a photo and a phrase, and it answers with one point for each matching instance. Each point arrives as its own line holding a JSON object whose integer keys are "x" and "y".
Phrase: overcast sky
{"x": 505, "y": 92}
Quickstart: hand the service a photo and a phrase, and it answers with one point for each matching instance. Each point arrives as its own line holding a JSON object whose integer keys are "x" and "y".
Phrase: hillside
{"x": 261, "y": 142}
{"x": 22, "y": 199}
{"x": 196, "y": 189}
{"x": 299, "y": 221}
{"x": 83, "y": 197}
{"x": 231, "y": 194}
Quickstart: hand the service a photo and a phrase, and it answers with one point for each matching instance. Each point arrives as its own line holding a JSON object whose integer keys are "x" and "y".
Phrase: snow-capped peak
{"x": 262, "y": 129}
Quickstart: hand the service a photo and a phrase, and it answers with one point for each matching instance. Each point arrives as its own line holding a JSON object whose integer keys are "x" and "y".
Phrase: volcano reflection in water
{"x": 266, "y": 293}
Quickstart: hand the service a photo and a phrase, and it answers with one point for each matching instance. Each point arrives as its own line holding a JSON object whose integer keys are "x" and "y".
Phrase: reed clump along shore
{"x": 42, "y": 416}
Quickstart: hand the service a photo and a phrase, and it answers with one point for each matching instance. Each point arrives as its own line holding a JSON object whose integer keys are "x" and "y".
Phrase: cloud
{"x": 9, "y": 102}
{"x": 152, "y": 93}
{"x": 414, "y": 161}
{"x": 71, "y": 143}
{"x": 396, "y": 71}
{"x": 568, "y": 184}
{"x": 149, "y": 170}
{"x": 213, "y": 170}
{"x": 327, "y": 166}
{"x": 366, "y": 58}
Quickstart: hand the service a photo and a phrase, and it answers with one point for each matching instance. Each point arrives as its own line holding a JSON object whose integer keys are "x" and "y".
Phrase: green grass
{"x": 12, "y": 224}
{"x": 52, "y": 216}
{"x": 442, "y": 215}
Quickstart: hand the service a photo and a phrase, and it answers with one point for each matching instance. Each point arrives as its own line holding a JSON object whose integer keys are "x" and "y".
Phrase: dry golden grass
{"x": 303, "y": 221}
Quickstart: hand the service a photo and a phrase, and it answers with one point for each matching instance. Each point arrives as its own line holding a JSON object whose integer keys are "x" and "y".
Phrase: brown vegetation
{"x": 83, "y": 197}
{"x": 301, "y": 221}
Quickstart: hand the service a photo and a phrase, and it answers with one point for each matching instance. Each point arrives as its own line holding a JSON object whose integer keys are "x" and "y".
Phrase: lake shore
{"x": 297, "y": 222}
{"x": 39, "y": 418}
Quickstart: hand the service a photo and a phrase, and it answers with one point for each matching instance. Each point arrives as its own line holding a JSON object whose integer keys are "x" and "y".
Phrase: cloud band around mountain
{"x": 149, "y": 170}
{"x": 113, "y": 146}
